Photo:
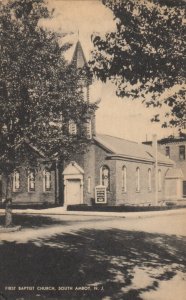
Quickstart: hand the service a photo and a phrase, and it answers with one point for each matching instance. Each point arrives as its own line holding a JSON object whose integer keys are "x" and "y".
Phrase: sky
{"x": 118, "y": 117}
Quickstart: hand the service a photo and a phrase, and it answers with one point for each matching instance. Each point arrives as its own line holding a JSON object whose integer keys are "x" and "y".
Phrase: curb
{"x": 102, "y": 214}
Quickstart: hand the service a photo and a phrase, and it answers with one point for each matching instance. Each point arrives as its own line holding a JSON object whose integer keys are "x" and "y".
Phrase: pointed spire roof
{"x": 78, "y": 58}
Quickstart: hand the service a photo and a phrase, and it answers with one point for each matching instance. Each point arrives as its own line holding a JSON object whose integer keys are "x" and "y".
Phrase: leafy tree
{"x": 144, "y": 56}
{"x": 39, "y": 91}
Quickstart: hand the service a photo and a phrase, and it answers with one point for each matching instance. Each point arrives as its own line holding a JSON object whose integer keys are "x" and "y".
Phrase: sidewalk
{"x": 62, "y": 211}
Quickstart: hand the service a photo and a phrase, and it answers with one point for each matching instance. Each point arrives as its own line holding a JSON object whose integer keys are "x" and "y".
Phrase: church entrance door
{"x": 73, "y": 184}
{"x": 73, "y": 192}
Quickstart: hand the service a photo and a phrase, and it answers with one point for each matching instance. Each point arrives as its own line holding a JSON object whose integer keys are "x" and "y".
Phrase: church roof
{"x": 78, "y": 59}
{"x": 129, "y": 149}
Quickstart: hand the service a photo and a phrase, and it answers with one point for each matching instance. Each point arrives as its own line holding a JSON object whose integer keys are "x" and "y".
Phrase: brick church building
{"x": 129, "y": 173}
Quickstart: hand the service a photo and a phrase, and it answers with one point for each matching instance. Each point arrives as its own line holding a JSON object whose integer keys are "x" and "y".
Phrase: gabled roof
{"x": 41, "y": 153}
{"x": 73, "y": 169}
{"x": 78, "y": 59}
{"x": 128, "y": 149}
{"x": 30, "y": 145}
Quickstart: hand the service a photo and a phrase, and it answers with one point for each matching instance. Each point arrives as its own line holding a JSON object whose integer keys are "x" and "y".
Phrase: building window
{"x": 89, "y": 184}
{"x": 182, "y": 152}
{"x": 167, "y": 151}
{"x": 85, "y": 93}
{"x": 184, "y": 189}
{"x": 149, "y": 180}
{"x": 105, "y": 177}
{"x": 137, "y": 179}
{"x": 124, "y": 178}
{"x": 16, "y": 181}
{"x": 89, "y": 129}
{"x": 47, "y": 180}
{"x": 31, "y": 181}
{"x": 72, "y": 127}
{"x": 159, "y": 181}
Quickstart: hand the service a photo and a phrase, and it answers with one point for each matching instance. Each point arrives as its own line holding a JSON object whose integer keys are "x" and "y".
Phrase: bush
{"x": 121, "y": 208}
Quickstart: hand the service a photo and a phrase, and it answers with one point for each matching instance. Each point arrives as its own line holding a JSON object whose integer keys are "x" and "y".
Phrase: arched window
{"x": 124, "y": 178}
{"x": 31, "y": 180}
{"x": 149, "y": 180}
{"x": 159, "y": 181}
{"x": 105, "y": 177}
{"x": 137, "y": 179}
{"x": 47, "y": 180}
{"x": 16, "y": 181}
{"x": 72, "y": 127}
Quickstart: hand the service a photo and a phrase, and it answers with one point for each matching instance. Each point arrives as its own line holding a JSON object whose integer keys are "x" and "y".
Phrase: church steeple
{"x": 85, "y": 80}
{"x": 78, "y": 59}
{"x": 80, "y": 64}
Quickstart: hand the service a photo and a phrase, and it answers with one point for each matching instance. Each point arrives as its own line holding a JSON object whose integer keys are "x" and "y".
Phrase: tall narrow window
{"x": 167, "y": 151}
{"x": 16, "y": 181}
{"x": 89, "y": 129}
{"x": 31, "y": 181}
{"x": 105, "y": 177}
{"x": 182, "y": 152}
{"x": 137, "y": 179}
{"x": 89, "y": 184}
{"x": 149, "y": 180}
{"x": 72, "y": 127}
{"x": 159, "y": 181}
{"x": 184, "y": 189}
{"x": 85, "y": 93}
{"x": 124, "y": 178}
{"x": 47, "y": 180}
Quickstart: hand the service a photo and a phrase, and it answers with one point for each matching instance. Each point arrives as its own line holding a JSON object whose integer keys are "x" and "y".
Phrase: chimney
{"x": 154, "y": 142}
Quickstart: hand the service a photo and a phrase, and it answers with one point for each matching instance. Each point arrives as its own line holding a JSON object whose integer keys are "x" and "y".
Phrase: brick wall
{"x": 89, "y": 169}
{"x": 38, "y": 196}
{"x": 96, "y": 157}
{"x": 144, "y": 196}
{"x": 131, "y": 196}
{"x": 87, "y": 162}
{"x": 100, "y": 155}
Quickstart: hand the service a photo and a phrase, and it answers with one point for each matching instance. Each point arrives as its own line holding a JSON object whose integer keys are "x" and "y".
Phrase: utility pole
{"x": 155, "y": 148}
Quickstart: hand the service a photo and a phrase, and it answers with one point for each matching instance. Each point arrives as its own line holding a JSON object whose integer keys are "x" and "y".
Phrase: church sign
{"x": 100, "y": 194}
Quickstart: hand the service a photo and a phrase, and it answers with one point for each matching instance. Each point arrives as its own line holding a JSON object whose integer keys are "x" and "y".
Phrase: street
{"x": 94, "y": 257}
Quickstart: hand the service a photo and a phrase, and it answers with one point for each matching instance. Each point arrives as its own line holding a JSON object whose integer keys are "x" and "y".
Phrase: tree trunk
{"x": 8, "y": 202}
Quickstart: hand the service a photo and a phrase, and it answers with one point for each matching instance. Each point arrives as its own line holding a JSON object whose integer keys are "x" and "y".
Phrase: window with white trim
{"x": 47, "y": 184}
{"x": 16, "y": 181}
{"x": 182, "y": 152}
{"x": 159, "y": 181}
{"x": 149, "y": 180}
{"x": 31, "y": 180}
{"x": 89, "y": 184}
{"x": 72, "y": 127}
{"x": 105, "y": 177}
{"x": 137, "y": 179}
{"x": 167, "y": 151}
{"x": 124, "y": 178}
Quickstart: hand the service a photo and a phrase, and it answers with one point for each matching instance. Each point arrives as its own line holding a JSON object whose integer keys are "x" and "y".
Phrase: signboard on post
{"x": 100, "y": 194}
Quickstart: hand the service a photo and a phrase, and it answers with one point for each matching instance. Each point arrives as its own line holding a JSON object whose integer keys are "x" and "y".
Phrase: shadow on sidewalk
{"x": 110, "y": 260}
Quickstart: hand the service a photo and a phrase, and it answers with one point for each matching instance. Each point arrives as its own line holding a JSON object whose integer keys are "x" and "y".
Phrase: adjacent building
{"x": 175, "y": 149}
